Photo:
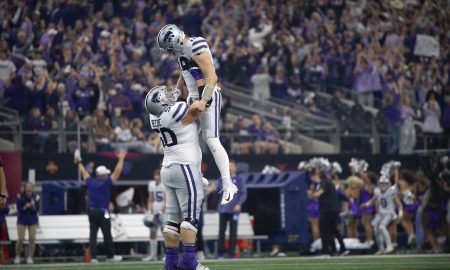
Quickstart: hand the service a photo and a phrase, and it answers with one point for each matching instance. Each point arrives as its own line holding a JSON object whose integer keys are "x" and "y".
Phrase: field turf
{"x": 403, "y": 262}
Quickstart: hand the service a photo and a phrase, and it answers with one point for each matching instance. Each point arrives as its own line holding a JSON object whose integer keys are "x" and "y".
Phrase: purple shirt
{"x": 392, "y": 111}
{"x": 84, "y": 99}
{"x": 239, "y": 198}
{"x": 257, "y": 133}
{"x": 363, "y": 80}
{"x": 99, "y": 192}
{"x": 28, "y": 216}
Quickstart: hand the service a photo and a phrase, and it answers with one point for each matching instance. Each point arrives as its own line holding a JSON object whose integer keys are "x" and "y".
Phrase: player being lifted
{"x": 199, "y": 76}
{"x": 386, "y": 196}
{"x": 156, "y": 209}
{"x": 180, "y": 173}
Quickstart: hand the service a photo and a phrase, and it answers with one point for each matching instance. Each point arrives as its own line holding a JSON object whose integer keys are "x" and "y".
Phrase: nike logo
{"x": 228, "y": 197}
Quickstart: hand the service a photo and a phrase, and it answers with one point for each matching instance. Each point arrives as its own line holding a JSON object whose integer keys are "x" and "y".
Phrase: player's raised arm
{"x": 77, "y": 159}
{"x": 194, "y": 112}
{"x": 180, "y": 87}
{"x": 205, "y": 63}
{"x": 118, "y": 169}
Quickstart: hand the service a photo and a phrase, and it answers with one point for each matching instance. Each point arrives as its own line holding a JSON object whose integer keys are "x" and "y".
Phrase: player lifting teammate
{"x": 180, "y": 173}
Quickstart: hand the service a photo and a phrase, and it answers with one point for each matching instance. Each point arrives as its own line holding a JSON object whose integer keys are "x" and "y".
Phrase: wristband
{"x": 207, "y": 92}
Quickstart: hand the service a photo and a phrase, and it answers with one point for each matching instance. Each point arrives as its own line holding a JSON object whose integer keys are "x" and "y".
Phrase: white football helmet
{"x": 169, "y": 40}
{"x": 158, "y": 98}
{"x": 384, "y": 183}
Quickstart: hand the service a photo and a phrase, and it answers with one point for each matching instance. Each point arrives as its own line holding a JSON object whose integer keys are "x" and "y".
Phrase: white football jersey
{"x": 180, "y": 142}
{"x": 386, "y": 200}
{"x": 159, "y": 193}
{"x": 189, "y": 68}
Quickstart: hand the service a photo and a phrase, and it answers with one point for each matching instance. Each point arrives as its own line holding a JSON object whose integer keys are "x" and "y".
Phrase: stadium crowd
{"x": 95, "y": 60}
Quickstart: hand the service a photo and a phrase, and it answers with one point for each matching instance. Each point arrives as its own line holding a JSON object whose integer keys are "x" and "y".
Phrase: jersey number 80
{"x": 167, "y": 136}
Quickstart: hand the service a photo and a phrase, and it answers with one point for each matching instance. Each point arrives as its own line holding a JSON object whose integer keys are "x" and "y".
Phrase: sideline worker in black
{"x": 329, "y": 214}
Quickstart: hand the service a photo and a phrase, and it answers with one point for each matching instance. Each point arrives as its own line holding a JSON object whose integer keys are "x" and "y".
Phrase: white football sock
{"x": 386, "y": 236}
{"x": 153, "y": 247}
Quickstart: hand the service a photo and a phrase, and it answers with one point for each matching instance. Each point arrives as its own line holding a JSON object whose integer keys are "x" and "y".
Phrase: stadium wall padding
{"x": 140, "y": 166}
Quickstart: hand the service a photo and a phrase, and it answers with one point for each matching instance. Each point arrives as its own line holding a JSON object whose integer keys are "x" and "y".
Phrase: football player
{"x": 156, "y": 208}
{"x": 175, "y": 122}
{"x": 386, "y": 197}
{"x": 199, "y": 76}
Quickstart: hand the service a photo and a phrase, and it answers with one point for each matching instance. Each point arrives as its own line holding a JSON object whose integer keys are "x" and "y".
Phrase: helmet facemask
{"x": 158, "y": 98}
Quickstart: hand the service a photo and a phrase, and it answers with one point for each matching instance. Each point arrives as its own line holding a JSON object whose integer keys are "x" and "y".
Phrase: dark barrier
{"x": 278, "y": 203}
{"x": 63, "y": 197}
{"x": 140, "y": 166}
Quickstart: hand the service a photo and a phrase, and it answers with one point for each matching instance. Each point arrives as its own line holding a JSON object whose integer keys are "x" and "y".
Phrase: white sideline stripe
{"x": 272, "y": 261}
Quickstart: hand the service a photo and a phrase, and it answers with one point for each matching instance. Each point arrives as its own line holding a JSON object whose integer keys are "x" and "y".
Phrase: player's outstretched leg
{"x": 188, "y": 236}
{"x": 223, "y": 163}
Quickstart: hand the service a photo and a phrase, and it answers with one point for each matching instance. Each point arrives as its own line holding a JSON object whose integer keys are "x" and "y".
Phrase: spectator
{"x": 36, "y": 124}
{"x": 362, "y": 81}
{"x": 23, "y": 45}
{"x": 7, "y": 67}
{"x": 242, "y": 141}
{"x": 229, "y": 213}
{"x": 279, "y": 84}
{"x": 261, "y": 87}
{"x": 271, "y": 139}
{"x": 446, "y": 120}
{"x": 136, "y": 100}
{"x": 102, "y": 130}
{"x": 407, "y": 129}
{"x": 27, "y": 205}
{"x": 99, "y": 198}
{"x": 256, "y": 134}
{"x": 431, "y": 127}
{"x": 17, "y": 95}
{"x": 256, "y": 34}
{"x": 392, "y": 113}
{"x": 118, "y": 103}
{"x": 122, "y": 131}
{"x": 84, "y": 97}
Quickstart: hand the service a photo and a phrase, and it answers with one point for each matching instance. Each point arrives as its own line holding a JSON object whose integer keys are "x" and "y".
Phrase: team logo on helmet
{"x": 168, "y": 37}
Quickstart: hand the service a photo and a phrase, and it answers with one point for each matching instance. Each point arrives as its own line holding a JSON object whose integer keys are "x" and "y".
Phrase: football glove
{"x": 77, "y": 156}
{"x": 228, "y": 192}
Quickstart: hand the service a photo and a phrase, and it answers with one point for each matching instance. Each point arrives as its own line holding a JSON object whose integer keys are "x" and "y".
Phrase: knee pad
{"x": 190, "y": 224}
{"x": 172, "y": 228}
